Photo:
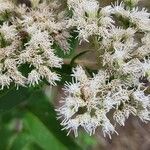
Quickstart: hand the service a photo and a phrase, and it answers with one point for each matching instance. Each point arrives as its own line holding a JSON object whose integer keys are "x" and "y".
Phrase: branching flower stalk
{"x": 120, "y": 87}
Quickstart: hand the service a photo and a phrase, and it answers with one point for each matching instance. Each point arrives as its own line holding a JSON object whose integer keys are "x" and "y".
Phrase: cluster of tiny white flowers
{"x": 28, "y": 38}
{"x": 126, "y": 49}
{"x": 6, "y": 5}
{"x": 135, "y": 16}
{"x": 88, "y": 19}
{"x": 122, "y": 88}
{"x": 88, "y": 103}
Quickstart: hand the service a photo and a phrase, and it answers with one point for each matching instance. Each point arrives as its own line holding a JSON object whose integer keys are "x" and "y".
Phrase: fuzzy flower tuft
{"x": 89, "y": 101}
{"x": 27, "y": 40}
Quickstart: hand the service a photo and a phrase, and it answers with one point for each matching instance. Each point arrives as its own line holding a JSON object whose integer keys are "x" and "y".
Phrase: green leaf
{"x": 65, "y": 73}
{"x": 12, "y": 97}
{"x": 32, "y": 146}
{"x": 42, "y": 135}
{"x": 21, "y": 141}
{"x": 41, "y": 107}
{"x": 5, "y": 136}
{"x": 86, "y": 141}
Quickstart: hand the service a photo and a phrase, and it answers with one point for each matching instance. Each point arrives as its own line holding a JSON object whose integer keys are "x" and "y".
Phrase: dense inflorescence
{"x": 120, "y": 35}
{"x": 89, "y": 101}
{"x": 27, "y": 37}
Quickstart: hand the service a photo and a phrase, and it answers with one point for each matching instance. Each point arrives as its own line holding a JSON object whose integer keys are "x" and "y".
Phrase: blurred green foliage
{"x": 28, "y": 122}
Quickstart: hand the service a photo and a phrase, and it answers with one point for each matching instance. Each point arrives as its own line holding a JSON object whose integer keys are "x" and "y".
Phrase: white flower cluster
{"x": 122, "y": 88}
{"x": 122, "y": 35}
{"x": 136, "y": 17}
{"x": 91, "y": 102}
{"x": 27, "y": 39}
{"x": 6, "y": 5}
{"x": 88, "y": 19}
{"x": 126, "y": 49}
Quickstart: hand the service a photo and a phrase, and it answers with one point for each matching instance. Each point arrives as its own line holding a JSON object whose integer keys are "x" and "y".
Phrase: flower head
{"x": 88, "y": 102}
